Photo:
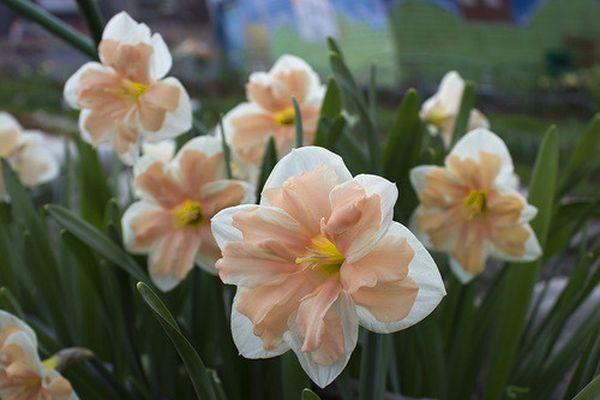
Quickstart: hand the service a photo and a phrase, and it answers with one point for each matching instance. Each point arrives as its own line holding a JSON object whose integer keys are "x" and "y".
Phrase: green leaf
{"x": 373, "y": 368}
{"x": 591, "y": 391}
{"x": 583, "y": 160}
{"x": 91, "y": 14}
{"x": 332, "y": 102}
{"x": 298, "y": 124}
{"x": 226, "y": 149}
{"x": 97, "y": 241}
{"x": 199, "y": 375}
{"x": 268, "y": 163}
{"x": 293, "y": 378}
{"x": 308, "y": 394}
{"x": 55, "y": 26}
{"x": 466, "y": 104}
{"x": 521, "y": 278}
{"x": 9, "y": 303}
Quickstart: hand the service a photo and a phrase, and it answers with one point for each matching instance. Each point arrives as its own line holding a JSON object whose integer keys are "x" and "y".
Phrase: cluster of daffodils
{"x": 23, "y": 150}
{"x": 320, "y": 255}
{"x": 23, "y": 376}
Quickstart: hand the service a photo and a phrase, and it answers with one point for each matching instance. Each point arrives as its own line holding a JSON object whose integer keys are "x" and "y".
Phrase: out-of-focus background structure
{"x": 536, "y": 62}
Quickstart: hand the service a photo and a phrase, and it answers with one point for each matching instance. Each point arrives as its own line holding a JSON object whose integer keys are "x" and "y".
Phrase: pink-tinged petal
{"x": 306, "y": 159}
{"x": 305, "y": 197}
{"x": 268, "y": 92}
{"x": 10, "y": 134}
{"x": 96, "y": 128}
{"x": 74, "y": 86}
{"x": 155, "y": 182}
{"x": 388, "y": 302}
{"x": 122, "y": 28}
{"x": 248, "y": 344}
{"x": 252, "y": 265}
{"x": 224, "y": 193}
{"x": 423, "y": 272}
{"x": 418, "y": 176}
{"x": 359, "y": 218}
{"x": 482, "y": 140}
{"x": 300, "y": 79}
{"x": 341, "y": 323}
{"x": 199, "y": 162}
{"x": 9, "y": 322}
{"x": 477, "y": 120}
{"x": 126, "y": 143}
{"x": 144, "y": 225}
{"x": 173, "y": 258}
{"x": 58, "y": 387}
{"x": 387, "y": 262}
{"x": 168, "y": 100}
{"x": 133, "y": 62}
{"x": 222, "y": 226}
{"x": 270, "y": 306}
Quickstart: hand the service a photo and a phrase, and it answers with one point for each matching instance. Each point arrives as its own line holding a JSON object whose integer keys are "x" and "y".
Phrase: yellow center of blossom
{"x": 51, "y": 363}
{"x": 321, "y": 255}
{"x": 475, "y": 204}
{"x": 189, "y": 213}
{"x": 134, "y": 89}
{"x": 286, "y": 117}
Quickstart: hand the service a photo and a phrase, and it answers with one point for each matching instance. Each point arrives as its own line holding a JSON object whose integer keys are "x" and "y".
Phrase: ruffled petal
{"x": 172, "y": 259}
{"x": 34, "y": 162}
{"x": 144, "y": 224}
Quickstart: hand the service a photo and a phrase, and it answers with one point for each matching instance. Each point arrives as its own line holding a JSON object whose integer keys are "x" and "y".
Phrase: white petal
{"x": 477, "y": 120}
{"x": 34, "y": 162}
{"x": 125, "y": 29}
{"x": 161, "y": 60}
{"x": 248, "y": 344}
{"x": 417, "y": 176}
{"x": 421, "y": 236}
{"x": 450, "y": 91}
{"x": 10, "y": 134}
{"x": 7, "y": 319}
{"x": 222, "y": 227}
{"x": 388, "y": 194}
{"x": 50, "y": 374}
{"x": 532, "y": 252}
{"x": 162, "y": 151}
{"x": 323, "y": 375}
{"x": 131, "y": 155}
{"x": 134, "y": 210}
{"x": 176, "y": 122}
{"x": 29, "y": 346}
{"x": 288, "y": 63}
{"x": 70, "y": 91}
{"x": 463, "y": 276}
{"x": 87, "y": 136}
{"x": 482, "y": 139}
{"x": 423, "y": 270}
{"x": 302, "y": 160}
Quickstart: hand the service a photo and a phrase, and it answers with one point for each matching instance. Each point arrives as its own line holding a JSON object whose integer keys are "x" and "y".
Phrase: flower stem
{"x": 91, "y": 13}
{"x": 372, "y": 368}
{"x": 54, "y": 25}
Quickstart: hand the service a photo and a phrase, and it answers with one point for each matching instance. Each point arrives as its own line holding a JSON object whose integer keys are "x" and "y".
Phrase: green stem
{"x": 372, "y": 368}
{"x": 93, "y": 20}
{"x": 54, "y": 25}
{"x": 298, "y": 122}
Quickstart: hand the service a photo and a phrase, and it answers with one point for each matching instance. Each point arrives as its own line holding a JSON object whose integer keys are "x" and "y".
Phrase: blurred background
{"x": 536, "y": 62}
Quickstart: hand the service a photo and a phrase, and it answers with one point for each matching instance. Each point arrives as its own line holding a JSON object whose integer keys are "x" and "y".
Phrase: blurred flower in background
{"x": 25, "y": 152}
{"x": 171, "y": 222}
{"x": 127, "y": 98}
{"x": 471, "y": 208}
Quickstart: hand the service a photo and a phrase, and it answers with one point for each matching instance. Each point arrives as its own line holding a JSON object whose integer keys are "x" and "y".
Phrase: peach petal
{"x": 149, "y": 227}
{"x": 151, "y": 117}
{"x": 221, "y": 194}
{"x": 268, "y": 92}
{"x": 305, "y": 198}
{"x": 161, "y": 186}
{"x": 133, "y": 61}
{"x": 173, "y": 258}
{"x": 196, "y": 170}
{"x": 390, "y": 301}
{"x": 99, "y": 126}
{"x": 297, "y": 83}
{"x": 162, "y": 95}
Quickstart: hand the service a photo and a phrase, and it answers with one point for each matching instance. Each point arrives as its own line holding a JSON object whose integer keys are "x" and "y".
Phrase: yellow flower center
{"x": 134, "y": 89}
{"x": 475, "y": 204}
{"x": 189, "y": 213}
{"x": 51, "y": 363}
{"x": 286, "y": 117}
{"x": 321, "y": 255}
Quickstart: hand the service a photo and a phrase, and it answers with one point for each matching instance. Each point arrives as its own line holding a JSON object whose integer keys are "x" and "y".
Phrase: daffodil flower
{"x": 171, "y": 222}
{"x": 270, "y": 110}
{"x": 318, "y": 257}
{"x": 126, "y": 97}
{"x": 471, "y": 209}
{"x": 23, "y": 376}
{"x": 26, "y": 154}
{"x": 440, "y": 111}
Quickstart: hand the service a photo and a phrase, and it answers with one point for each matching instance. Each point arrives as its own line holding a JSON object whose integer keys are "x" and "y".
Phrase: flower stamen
{"x": 286, "y": 117}
{"x": 321, "y": 255}
{"x": 134, "y": 90}
{"x": 475, "y": 204}
{"x": 189, "y": 213}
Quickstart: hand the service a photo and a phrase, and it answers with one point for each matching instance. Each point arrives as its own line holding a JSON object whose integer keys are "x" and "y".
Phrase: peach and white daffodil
{"x": 319, "y": 256}
{"x": 269, "y": 110}
{"x": 25, "y": 152}
{"x": 470, "y": 207}
{"x": 440, "y": 111}
{"x": 126, "y": 98}
{"x": 171, "y": 221}
{"x": 23, "y": 376}
{"x": 163, "y": 151}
